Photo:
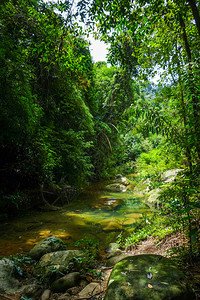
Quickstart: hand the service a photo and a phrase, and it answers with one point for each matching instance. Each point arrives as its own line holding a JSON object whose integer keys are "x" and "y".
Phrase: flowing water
{"x": 96, "y": 214}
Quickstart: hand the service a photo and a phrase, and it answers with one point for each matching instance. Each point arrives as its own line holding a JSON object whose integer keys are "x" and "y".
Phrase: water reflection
{"x": 95, "y": 214}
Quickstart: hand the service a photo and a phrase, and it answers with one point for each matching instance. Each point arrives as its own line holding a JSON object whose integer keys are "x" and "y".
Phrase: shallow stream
{"x": 96, "y": 214}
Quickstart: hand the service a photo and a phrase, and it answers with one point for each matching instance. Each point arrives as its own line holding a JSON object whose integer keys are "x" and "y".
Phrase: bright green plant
{"x": 90, "y": 248}
{"x": 180, "y": 201}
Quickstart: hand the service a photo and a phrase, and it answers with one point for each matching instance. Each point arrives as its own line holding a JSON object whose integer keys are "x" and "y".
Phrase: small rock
{"x": 32, "y": 291}
{"x": 46, "y": 295}
{"x": 47, "y": 245}
{"x": 68, "y": 281}
{"x": 90, "y": 290}
{"x": 74, "y": 290}
{"x": 65, "y": 296}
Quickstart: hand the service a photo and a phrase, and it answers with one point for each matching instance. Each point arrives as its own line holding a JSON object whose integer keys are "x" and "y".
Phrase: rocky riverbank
{"x": 55, "y": 273}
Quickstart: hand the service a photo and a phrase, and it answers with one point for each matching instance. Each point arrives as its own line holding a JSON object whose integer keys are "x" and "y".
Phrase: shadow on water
{"x": 96, "y": 214}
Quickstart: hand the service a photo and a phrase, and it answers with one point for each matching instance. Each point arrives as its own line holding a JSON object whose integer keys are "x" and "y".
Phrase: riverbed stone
{"x": 56, "y": 262}
{"x": 8, "y": 282}
{"x": 47, "y": 245}
{"x": 32, "y": 291}
{"x": 147, "y": 276}
{"x": 90, "y": 290}
{"x": 65, "y": 296}
{"x": 68, "y": 281}
{"x": 46, "y": 295}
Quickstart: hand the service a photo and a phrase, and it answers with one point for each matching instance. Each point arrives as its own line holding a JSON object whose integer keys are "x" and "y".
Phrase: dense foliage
{"x": 147, "y": 37}
{"x": 65, "y": 121}
{"x": 59, "y": 113}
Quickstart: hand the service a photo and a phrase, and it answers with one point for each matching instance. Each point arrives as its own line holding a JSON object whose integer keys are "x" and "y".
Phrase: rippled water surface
{"x": 96, "y": 214}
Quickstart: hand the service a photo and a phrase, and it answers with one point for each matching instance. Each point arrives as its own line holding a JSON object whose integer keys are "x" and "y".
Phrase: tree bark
{"x": 195, "y": 13}
{"x": 192, "y": 84}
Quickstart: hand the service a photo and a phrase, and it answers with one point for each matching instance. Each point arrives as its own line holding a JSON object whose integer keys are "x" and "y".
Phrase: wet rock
{"x": 55, "y": 262}
{"x": 46, "y": 295}
{"x": 66, "y": 282}
{"x": 47, "y": 245}
{"x": 32, "y": 291}
{"x": 147, "y": 276}
{"x": 90, "y": 290}
{"x": 8, "y": 282}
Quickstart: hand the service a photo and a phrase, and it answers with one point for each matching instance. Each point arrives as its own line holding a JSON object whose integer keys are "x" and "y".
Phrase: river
{"x": 96, "y": 214}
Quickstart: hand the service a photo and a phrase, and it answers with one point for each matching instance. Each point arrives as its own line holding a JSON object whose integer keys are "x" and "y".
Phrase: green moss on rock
{"x": 147, "y": 276}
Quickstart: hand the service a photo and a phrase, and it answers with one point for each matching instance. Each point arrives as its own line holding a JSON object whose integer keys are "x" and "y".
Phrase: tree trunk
{"x": 195, "y": 13}
{"x": 192, "y": 85}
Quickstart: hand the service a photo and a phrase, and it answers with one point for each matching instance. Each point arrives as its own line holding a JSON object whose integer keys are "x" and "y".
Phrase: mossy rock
{"x": 8, "y": 282}
{"x": 57, "y": 262}
{"x": 147, "y": 276}
{"x": 47, "y": 245}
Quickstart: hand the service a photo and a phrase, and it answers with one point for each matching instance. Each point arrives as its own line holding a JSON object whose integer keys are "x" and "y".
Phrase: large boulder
{"x": 47, "y": 245}
{"x": 147, "y": 276}
{"x": 8, "y": 282}
{"x": 56, "y": 262}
